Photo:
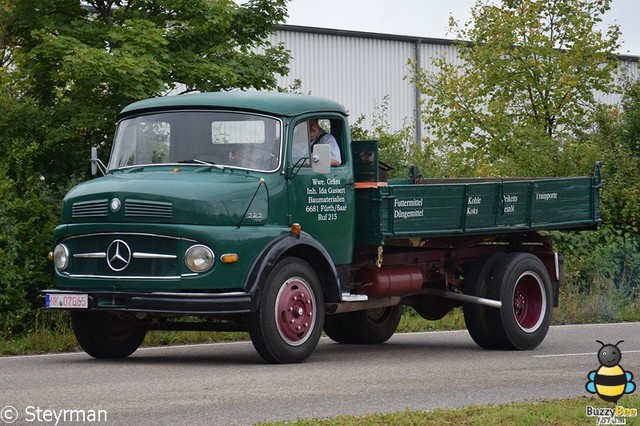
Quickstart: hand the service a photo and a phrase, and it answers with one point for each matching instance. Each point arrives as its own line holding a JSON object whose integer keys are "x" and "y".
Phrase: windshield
{"x": 226, "y": 139}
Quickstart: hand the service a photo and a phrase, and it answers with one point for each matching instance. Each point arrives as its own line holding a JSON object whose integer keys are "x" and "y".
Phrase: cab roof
{"x": 272, "y": 103}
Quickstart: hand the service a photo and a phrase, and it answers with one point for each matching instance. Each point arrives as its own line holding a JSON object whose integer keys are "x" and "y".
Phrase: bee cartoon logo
{"x": 610, "y": 381}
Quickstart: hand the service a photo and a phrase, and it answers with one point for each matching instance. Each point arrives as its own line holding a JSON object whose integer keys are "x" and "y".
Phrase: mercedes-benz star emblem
{"x": 115, "y": 205}
{"x": 118, "y": 255}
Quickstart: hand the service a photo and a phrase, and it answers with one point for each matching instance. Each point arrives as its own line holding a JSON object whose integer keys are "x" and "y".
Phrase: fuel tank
{"x": 391, "y": 281}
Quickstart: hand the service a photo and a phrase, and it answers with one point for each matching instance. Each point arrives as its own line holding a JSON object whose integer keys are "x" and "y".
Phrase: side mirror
{"x": 321, "y": 158}
{"x": 96, "y": 164}
{"x": 94, "y": 161}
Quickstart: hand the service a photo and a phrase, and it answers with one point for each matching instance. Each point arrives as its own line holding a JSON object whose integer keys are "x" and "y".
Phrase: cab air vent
{"x": 143, "y": 208}
{"x": 93, "y": 208}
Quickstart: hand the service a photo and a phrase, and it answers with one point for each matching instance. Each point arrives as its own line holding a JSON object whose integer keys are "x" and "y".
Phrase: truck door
{"x": 323, "y": 204}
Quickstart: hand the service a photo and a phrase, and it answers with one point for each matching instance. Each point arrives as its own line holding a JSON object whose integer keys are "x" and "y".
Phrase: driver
{"x": 318, "y": 135}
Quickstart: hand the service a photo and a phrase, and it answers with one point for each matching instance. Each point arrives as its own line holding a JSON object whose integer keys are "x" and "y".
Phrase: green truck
{"x": 216, "y": 212}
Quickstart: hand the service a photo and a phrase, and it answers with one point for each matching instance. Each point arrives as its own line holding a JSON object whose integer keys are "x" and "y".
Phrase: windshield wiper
{"x": 204, "y": 163}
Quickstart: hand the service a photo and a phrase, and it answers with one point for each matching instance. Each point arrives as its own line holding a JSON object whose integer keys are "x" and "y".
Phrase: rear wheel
{"x": 522, "y": 283}
{"x": 477, "y": 317}
{"x": 432, "y": 308}
{"x": 337, "y": 328}
{"x": 287, "y": 325}
{"x": 105, "y": 335}
{"x": 375, "y": 326}
{"x": 371, "y": 326}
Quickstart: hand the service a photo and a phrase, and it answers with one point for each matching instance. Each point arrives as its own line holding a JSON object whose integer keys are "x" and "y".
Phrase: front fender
{"x": 302, "y": 246}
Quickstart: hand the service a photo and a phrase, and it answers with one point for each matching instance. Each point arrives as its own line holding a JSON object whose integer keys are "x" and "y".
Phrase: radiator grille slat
{"x": 132, "y": 208}
{"x": 143, "y": 208}
{"x": 93, "y": 208}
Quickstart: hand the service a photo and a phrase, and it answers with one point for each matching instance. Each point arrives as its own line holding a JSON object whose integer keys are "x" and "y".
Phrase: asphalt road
{"x": 229, "y": 384}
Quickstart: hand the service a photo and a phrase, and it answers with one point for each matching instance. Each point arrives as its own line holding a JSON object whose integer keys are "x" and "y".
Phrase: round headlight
{"x": 61, "y": 257}
{"x": 199, "y": 258}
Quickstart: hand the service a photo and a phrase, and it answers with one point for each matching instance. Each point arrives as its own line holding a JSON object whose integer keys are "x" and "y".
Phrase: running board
{"x": 348, "y": 297}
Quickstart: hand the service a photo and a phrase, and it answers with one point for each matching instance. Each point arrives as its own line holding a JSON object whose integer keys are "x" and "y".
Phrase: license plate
{"x": 67, "y": 301}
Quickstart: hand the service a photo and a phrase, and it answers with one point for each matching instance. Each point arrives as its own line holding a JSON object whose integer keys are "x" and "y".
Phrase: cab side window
{"x": 317, "y": 130}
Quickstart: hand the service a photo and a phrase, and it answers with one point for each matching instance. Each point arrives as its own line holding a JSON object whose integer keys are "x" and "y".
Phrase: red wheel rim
{"x": 295, "y": 316}
{"x": 529, "y": 302}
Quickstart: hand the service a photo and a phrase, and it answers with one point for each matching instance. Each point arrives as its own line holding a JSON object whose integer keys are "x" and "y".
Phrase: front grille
{"x": 93, "y": 208}
{"x": 140, "y": 255}
{"x": 143, "y": 208}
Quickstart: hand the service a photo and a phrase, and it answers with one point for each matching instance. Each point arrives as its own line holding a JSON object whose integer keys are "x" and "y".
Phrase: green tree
{"x": 524, "y": 85}
{"x": 396, "y": 148}
{"x": 5, "y": 54}
{"x": 27, "y": 213}
{"x": 84, "y": 63}
{"x": 604, "y": 266}
{"x": 618, "y": 142}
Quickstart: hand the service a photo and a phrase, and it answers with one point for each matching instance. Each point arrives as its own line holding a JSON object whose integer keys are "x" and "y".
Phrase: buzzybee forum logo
{"x": 610, "y": 382}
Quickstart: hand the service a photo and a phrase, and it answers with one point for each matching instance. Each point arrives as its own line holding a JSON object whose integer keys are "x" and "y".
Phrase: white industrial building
{"x": 361, "y": 69}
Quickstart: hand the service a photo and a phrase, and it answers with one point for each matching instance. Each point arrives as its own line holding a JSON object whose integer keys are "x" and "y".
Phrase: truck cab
{"x": 203, "y": 197}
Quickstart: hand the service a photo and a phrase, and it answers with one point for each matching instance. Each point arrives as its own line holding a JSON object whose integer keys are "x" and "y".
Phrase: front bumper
{"x": 163, "y": 302}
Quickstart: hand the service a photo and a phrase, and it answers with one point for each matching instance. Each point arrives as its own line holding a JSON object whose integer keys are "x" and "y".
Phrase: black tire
{"x": 373, "y": 326}
{"x": 432, "y": 308}
{"x": 337, "y": 328}
{"x": 477, "y": 317}
{"x": 522, "y": 283}
{"x": 105, "y": 336}
{"x": 287, "y": 325}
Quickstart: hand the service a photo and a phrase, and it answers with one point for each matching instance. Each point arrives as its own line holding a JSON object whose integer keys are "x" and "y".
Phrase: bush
{"x": 29, "y": 210}
{"x": 27, "y": 215}
{"x": 608, "y": 254}
{"x": 602, "y": 276}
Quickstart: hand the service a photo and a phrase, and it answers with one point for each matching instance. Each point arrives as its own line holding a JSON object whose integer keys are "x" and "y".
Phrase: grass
{"x": 602, "y": 303}
{"x": 411, "y": 322}
{"x": 51, "y": 332}
{"x": 165, "y": 338}
{"x": 564, "y": 412}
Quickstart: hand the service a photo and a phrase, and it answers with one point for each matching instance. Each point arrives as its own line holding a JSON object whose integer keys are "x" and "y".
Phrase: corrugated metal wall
{"x": 356, "y": 71}
{"x": 361, "y": 70}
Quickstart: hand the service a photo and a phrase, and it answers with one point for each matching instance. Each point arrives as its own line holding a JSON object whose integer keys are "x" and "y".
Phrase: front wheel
{"x": 106, "y": 336}
{"x": 287, "y": 325}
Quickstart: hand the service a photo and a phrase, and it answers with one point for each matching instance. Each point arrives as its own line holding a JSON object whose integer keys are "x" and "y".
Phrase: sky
{"x": 430, "y": 18}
